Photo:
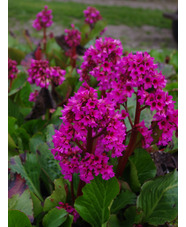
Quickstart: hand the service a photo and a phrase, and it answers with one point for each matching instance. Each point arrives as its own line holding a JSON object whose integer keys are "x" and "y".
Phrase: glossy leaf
{"x": 158, "y": 199}
{"x": 18, "y": 83}
{"x": 142, "y": 168}
{"x": 58, "y": 195}
{"x": 122, "y": 200}
{"x": 17, "y": 218}
{"x": 132, "y": 216}
{"x": 94, "y": 205}
{"x": 55, "y": 218}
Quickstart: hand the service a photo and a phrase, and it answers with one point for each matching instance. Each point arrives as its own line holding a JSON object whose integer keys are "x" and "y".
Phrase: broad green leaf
{"x": 22, "y": 203}
{"x": 18, "y": 83}
{"x": 34, "y": 126}
{"x": 11, "y": 146}
{"x": 158, "y": 199}
{"x": 37, "y": 207}
{"x": 122, "y": 200}
{"x": 94, "y": 205}
{"x": 13, "y": 110}
{"x": 142, "y": 168}
{"x": 49, "y": 165}
{"x": 17, "y": 218}
{"x": 114, "y": 221}
{"x": 58, "y": 195}
{"x": 24, "y": 95}
{"x": 17, "y": 167}
{"x": 69, "y": 221}
{"x": 55, "y": 218}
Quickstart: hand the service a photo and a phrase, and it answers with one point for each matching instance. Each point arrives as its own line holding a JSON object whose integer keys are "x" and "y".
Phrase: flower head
{"x": 43, "y": 19}
{"x": 73, "y": 36}
{"x": 12, "y": 69}
{"x": 33, "y": 96}
{"x": 38, "y": 74}
{"x": 92, "y": 15}
{"x": 56, "y": 75}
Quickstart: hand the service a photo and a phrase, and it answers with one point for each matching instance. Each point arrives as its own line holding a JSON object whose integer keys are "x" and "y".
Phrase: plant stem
{"x": 132, "y": 143}
{"x": 80, "y": 186}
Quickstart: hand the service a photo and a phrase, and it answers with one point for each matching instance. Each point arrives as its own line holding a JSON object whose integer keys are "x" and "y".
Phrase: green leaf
{"x": 34, "y": 126}
{"x": 114, "y": 221}
{"x": 37, "y": 207}
{"x": 13, "y": 110}
{"x": 28, "y": 172}
{"x": 58, "y": 195}
{"x": 122, "y": 200}
{"x": 158, "y": 199}
{"x": 48, "y": 164}
{"x": 50, "y": 131}
{"x": 17, "y": 218}
{"x": 11, "y": 146}
{"x": 55, "y": 218}
{"x": 22, "y": 203}
{"x": 132, "y": 216}
{"x": 142, "y": 168}
{"x": 18, "y": 83}
{"x": 69, "y": 221}
{"x": 94, "y": 205}
{"x": 35, "y": 141}
{"x": 24, "y": 95}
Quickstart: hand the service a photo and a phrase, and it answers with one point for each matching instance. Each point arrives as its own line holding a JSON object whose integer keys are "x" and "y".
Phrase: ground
{"x": 140, "y": 36}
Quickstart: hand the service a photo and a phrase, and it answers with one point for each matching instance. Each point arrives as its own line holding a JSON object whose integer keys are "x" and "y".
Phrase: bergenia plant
{"x": 43, "y": 21}
{"x": 94, "y": 130}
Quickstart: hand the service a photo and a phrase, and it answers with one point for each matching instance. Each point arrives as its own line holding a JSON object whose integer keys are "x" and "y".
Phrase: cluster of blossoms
{"x": 43, "y": 19}
{"x": 100, "y": 61}
{"x": 132, "y": 74}
{"x": 91, "y": 130}
{"x": 42, "y": 75}
{"x": 92, "y": 15}
{"x": 33, "y": 96}
{"x": 69, "y": 209}
{"x": 12, "y": 69}
{"x": 73, "y": 36}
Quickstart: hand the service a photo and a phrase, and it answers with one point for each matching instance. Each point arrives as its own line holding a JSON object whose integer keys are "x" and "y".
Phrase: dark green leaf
{"x": 142, "y": 168}
{"x": 18, "y": 83}
{"x": 35, "y": 141}
{"x": 37, "y": 207}
{"x": 122, "y": 200}
{"x": 94, "y": 205}
{"x": 17, "y": 218}
{"x": 69, "y": 221}
{"x": 158, "y": 199}
{"x": 58, "y": 195}
{"x": 16, "y": 54}
{"x": 132, "y": 217}
{"x": 55, "y": 218}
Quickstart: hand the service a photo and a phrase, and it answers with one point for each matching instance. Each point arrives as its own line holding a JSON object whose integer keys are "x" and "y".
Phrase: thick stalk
{"x": 132, "y": 143}
{"x": 80, "y": 186}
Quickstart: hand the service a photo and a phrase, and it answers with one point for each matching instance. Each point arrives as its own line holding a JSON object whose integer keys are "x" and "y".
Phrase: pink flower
{"x": 91, "y": 129}
{"x": 56, "y": 75}
{"x": 12, "y": 69}
{"x": 92, "y": 15}
{"x": 38, "y": 74}
{"x": 73, "y": 36}
{"x": 43, "y": 19}
{"x": 33, "y": 96}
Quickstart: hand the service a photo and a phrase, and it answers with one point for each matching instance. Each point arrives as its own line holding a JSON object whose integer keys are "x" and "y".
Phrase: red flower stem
{"x": 132, "y": 143}
{"x": 44, "y": 39}
{"x": 73, "y": 57}
{"x": 10, "y": 85}
{"x": 80, "y": 186}
{"x": 80, "y": 146}
{"x": 89, "y": 140}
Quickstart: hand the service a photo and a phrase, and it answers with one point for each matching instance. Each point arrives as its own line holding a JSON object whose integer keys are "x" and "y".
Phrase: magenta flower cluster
{"x": 42, "y": 75}
{"x": 133, "y": 74}
{"x": 92, "y": 15}
{"x": 33, "y": 96}
{"x": 12, "y": 69}
{"x": 91, "y": 130}
{"x": 43, "y": 19}
{"x": 101, "y": 62}
{"x": 73, "y": 36}
{"x": 69, "y": 209}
